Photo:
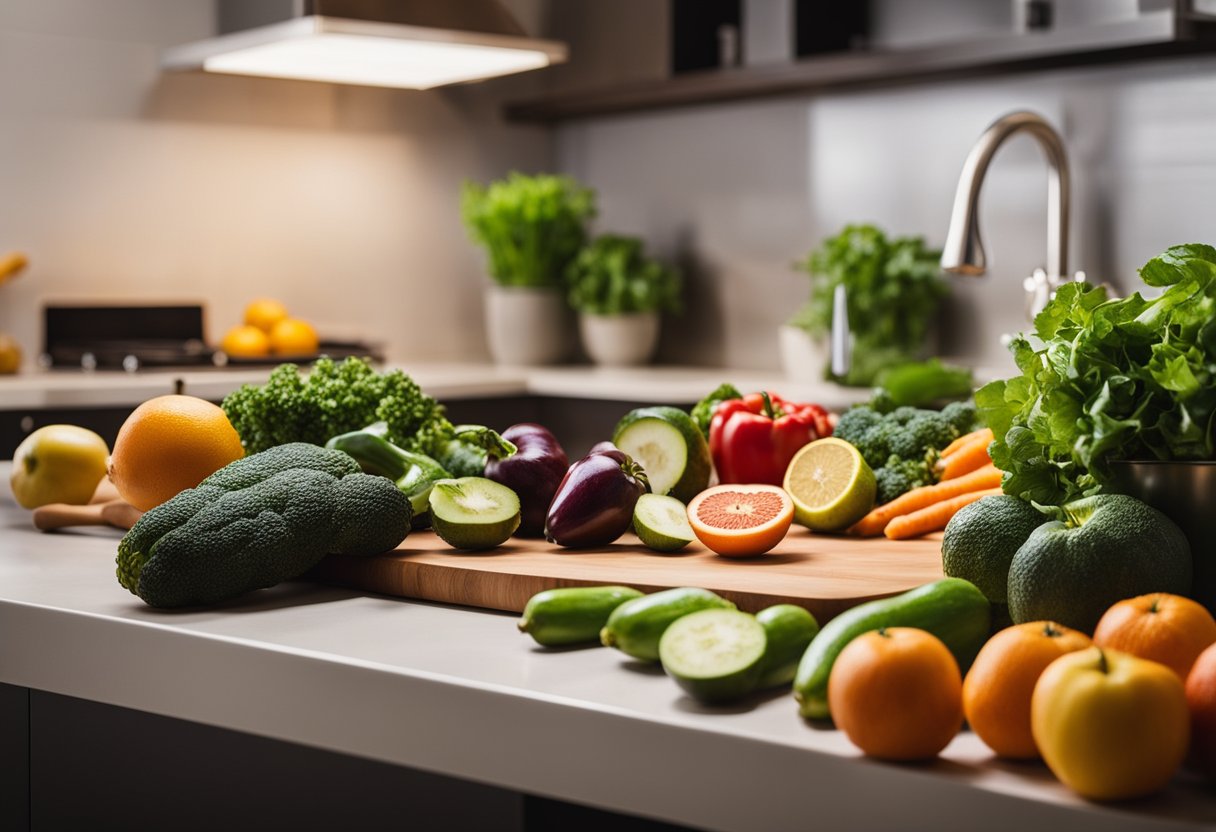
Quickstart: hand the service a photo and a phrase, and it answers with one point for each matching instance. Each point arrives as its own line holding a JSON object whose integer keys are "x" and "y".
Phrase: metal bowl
{"x": 1186, "y": 493}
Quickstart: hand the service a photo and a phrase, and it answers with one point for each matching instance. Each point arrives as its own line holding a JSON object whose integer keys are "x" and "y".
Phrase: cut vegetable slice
{"x": 474, "y": 512}
{"x": 661, "y": 523}
{"x": 741, "y": 520}
{"x": 669, "y": 447}
{"x": 714, "y": 655}
{"x": 831, "y": 485}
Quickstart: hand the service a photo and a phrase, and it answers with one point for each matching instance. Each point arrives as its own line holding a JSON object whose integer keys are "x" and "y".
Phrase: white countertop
{"x": 443, "y": 381}
{"x": 460, "y": 692}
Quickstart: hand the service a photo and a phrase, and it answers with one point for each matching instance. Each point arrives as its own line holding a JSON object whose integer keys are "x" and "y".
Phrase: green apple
{"x": 58, "y": 464}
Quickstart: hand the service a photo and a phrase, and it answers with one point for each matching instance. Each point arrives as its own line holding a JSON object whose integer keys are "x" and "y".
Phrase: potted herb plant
{"x": 619, "y": 292}
{"x": 894, "y": 288}
{"x": 531, "y": 228}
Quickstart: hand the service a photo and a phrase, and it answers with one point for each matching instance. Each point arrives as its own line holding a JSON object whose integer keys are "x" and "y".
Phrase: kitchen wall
{"x": 127, "y": 184}
{"x": 739, "y": 191}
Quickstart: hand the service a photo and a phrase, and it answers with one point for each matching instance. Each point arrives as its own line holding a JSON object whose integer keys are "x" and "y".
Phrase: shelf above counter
{"x": 1152, "y": 34}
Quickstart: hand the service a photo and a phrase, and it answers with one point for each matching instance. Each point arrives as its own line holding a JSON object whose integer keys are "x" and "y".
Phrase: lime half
{"x": 830, "y": 484}
{"x": 662, "y": 523}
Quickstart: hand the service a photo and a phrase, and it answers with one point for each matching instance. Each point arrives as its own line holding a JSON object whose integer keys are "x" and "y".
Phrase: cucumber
{"x": 636, "y": 626}
{"x": 473, "y": 512}
{"x": 952, "y": 609}
{"x": 714, "y": 655}
{"x": 572, "y": 615}
{"x": 661, "y": 523}
{"x": 788, "y": 629}
{"x": 670, "y": 448}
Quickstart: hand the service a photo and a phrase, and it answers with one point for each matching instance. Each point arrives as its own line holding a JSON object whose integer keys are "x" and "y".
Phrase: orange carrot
{"x": 933, "y": 518}
{"x": 876, "y": 521}
{"x": 966, "y": 459}
{"x": 964, "y": 439}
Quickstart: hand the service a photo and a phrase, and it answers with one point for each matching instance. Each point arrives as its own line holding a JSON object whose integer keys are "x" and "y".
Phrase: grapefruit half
{"x": 741, "y": 520}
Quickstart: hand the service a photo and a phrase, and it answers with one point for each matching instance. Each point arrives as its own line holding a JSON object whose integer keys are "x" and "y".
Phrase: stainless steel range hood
{"x": 413, "y": 44}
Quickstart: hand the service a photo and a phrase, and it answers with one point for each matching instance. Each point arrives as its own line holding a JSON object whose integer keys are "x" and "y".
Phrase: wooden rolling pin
{"x": 61, "y": 515}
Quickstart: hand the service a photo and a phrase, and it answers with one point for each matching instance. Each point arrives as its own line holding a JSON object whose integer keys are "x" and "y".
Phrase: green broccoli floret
{"x": 854, "y": 423}
{"x": 882, "y": 401}
{"x": 875, "y": 445}
{"x": 261, "y": 520}
{"x": 963, "y": 415}
{"x": 899, "y": 476}
{"x": 904, "y": 415}
{"x": 926, "y": 432}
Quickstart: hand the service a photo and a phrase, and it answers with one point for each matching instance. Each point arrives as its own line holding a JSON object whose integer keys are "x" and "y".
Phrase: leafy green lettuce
{"x": 1104, "y": 380}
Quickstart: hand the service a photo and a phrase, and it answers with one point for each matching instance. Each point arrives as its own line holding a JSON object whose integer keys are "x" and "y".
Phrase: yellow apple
{"x": 58, "y": 464}
{"x": 1109, "y": 725}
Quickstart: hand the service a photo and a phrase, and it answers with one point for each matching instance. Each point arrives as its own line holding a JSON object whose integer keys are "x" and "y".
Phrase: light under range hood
{"x": 412, "y": 44}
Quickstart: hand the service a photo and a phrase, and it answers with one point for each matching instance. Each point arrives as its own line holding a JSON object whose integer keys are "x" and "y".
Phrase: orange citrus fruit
{"x": 897, "y": 694}
{"x": 1166, "y": 628}
{"x": 294, "y": 337}
{"x": 1201, "y": 700}
{"x": 245, "y": 342}
{"x": 264, "y": 313}
{"x": 169, "y": 444}
{"x": 741, "y": 520}
{"x": 1000, "y": 683}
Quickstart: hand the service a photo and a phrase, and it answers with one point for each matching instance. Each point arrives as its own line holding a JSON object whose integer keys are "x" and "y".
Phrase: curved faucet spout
{"x": 963, "y": 252}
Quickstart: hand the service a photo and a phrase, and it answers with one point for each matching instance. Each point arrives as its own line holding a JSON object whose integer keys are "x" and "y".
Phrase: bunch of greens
{"x": 531, "y": 226}
{"x": 703, "y": 412}
{"x": 340, "y": 398}
{"x": 893, "y": 287}
{"x": 1110, "y": 379}
{"x": 613, "y": 276}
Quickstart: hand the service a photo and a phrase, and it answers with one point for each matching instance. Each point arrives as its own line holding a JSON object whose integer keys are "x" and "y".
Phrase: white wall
{"x": 124, "y": 183}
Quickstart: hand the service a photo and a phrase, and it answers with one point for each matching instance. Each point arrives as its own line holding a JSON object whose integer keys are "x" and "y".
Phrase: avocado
{"x": 1107, "y": 548}
{"x": 981, "y": 540}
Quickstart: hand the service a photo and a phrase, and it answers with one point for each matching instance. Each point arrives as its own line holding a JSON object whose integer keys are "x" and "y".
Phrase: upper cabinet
{"x": 723, "y": 50}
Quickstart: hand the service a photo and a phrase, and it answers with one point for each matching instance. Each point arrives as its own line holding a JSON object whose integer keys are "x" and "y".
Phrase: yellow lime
{"x": 830, "y": 484}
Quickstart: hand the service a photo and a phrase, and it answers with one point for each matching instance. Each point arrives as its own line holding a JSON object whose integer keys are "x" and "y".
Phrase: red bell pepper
{"x": 753, "y": 439}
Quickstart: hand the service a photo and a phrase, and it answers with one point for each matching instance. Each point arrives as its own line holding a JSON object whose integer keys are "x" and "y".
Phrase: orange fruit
{"x": 741, "y": 520}
{"x": 998, "y": 688}
{"x": 1165, "y": 628}
{"x": 169, "y": 444}
{"x": 897, "y": 694}
{"x": 245, "y": 342}
{"x": 264, "y": 313}
{"x": 1201, "y": 701}
{"x": 294, "y": 337}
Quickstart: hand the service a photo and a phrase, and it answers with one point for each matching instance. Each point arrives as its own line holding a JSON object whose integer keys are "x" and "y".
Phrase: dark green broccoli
{"x": 261, "y": 520}
{"x": 925, "y": 432}
{"x": 905, "y": 414}
{"x": 854, "y": 423}
{"x": 899, "y": 476}
{"x": 875, "y": 445}
{"x": 963, "y": 416}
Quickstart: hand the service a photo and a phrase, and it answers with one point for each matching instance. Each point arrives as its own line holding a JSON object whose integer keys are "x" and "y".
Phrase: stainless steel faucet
{"x": 963, "y": 252}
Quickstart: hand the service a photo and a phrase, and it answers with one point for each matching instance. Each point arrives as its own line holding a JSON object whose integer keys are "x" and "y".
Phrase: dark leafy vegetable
{"x": 1110, "y": 379}
{"x": 894, "y": 288}
{"x": 703, "y": 412}
{"x": 613, "y": 276}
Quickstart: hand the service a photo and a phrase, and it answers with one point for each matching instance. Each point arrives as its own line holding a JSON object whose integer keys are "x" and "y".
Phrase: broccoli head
{"x": 925, "y": 432}
{"x": 261, "y": 520}
{"x": 962, "y": 415}
{"x": 854, "y": 423}
{"x": 899, "y": 476}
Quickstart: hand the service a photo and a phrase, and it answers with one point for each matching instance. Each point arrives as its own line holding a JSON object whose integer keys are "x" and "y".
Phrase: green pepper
{"x": 414, "y": 474}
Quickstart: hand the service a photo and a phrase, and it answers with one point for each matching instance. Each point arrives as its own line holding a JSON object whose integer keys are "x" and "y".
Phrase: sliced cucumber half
{"x": 661, "y": 523}
{"x": 670, "y": 448}
{"x": 474, "y": 512}
{"x": 714, "y": 655}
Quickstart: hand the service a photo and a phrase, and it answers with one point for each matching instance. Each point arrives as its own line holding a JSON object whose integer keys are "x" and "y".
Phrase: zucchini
{"x": 636, "y": 626}
{"x": 572, "y": 615}
{"x": 714, "y": 655}
{"x": 952, "y": 609}
{"x": 670, "y": 448}
{"x": 788, "y": 630}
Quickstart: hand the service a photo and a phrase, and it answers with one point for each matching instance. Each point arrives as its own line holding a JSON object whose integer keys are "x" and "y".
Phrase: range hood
{"x": 412, "y": 44}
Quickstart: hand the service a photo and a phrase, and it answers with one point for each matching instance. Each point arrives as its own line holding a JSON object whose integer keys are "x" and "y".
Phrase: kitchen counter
{"x": 459, "y": 692}
{"x": 443, "y": 381}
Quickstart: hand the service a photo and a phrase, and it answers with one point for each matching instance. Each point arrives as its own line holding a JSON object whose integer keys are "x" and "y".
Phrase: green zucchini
{"x": 636, "y": 626}
{"x": 572, "y": 615}
{"x": 951, "y": 609}
{"x": 715, "y": 655}
{"x": 788, "y": 629}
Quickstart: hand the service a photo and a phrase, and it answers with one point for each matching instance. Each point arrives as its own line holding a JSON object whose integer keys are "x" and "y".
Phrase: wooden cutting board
{"x": 827, "y": 575}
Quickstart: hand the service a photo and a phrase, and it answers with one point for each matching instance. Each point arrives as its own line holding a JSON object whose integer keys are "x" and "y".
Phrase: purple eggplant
{"x": 533, "y": 472}
{"x": 594, "y": 503}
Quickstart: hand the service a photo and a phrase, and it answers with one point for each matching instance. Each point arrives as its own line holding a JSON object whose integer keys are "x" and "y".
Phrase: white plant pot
{"x": 528, "y": 326}
{"x": 803, "y": 357}
{"x": 620, "y": 340}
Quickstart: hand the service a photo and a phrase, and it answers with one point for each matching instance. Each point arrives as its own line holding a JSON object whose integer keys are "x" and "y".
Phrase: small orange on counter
{"x": 998, "y": 687}
{"x": 264, "y": 313}
{"x": 169, "y": 444}
{"x": 1201, "y": 701}
{"x": 897, "y": 694}
{"x": 1165, "y": 628}
{"x": 246, "y": 342}
{"x": 292, "y": 336}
